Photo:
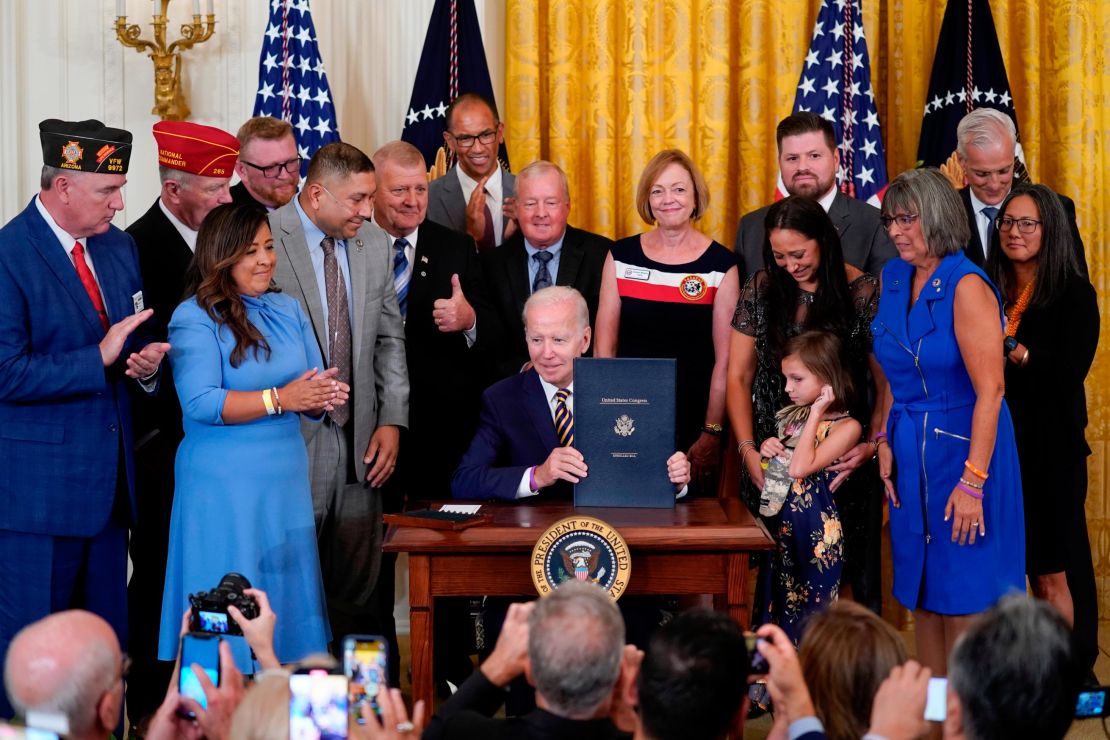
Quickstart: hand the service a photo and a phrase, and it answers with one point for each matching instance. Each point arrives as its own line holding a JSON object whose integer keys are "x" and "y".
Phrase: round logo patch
{"x": 581, "y": 548}
{"x": 692, "y": 287}
{"x": 72, "y": 152}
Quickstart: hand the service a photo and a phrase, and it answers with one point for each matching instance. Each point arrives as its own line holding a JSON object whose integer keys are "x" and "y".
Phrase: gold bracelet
{"x": 277, "y": 401}
{"x": 1024, "y": 358}
{"x": 269, "y": 404}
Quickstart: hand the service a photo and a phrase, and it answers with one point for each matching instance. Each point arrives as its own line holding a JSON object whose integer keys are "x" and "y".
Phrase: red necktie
{"x": 84, "y": 274}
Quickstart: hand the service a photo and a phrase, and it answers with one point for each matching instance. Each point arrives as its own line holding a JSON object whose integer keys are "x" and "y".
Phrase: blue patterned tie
{"x": 990, "y": 212}
{"x": 564, "y": 419}
{"x": 543, "y": 277}
{"x": 401, "y": 275}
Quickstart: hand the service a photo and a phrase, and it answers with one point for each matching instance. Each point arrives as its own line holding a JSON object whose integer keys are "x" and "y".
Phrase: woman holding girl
{"x": 806, "y": 285}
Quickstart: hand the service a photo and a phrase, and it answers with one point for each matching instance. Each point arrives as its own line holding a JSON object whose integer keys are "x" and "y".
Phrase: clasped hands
{"x": 476, "y": 213}
{"x": 314, "y": 392}
{"x": 141, "y": 364}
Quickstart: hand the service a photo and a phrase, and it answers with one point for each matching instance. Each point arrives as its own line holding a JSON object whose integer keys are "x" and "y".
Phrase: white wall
{"x": 60, "y": 59}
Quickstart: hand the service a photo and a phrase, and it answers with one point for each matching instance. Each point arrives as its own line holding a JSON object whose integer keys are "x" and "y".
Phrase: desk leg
{"x": 421, "y": 614}
{"x": 734, "y": 601}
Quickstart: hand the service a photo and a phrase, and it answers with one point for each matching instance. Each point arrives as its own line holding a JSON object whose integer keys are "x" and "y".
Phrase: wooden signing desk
{"x": 700, "y": 547}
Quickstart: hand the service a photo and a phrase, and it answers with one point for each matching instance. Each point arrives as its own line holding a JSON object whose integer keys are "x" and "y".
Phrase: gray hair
{"x": 575, "y": 641}
{"x": 983, "y": 127}
{"x": 92, "y": 673}
{"x": 554, "y": 295}
{"x": 49, "y": 174}
{"x": 927, "y": 193}
{"x": 1015, "y": 672}
{"x": 401, "y": 153}
{"x": 542, "y": 167}
{"x": 264, "y": 712}
{"x": 184, "y": 179}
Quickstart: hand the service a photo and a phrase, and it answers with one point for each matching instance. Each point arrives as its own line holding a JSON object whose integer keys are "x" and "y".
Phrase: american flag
{"x": 292, "y": 85}
{"x": 836, "y": 84}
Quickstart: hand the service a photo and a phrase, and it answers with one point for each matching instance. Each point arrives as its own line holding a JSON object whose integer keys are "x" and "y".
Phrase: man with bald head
{"x": 68, "y": 666}
{"x": 986, "y": 142}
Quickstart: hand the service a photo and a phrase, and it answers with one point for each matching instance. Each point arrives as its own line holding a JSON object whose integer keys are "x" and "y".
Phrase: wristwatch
{"x": 1009, "y": 344}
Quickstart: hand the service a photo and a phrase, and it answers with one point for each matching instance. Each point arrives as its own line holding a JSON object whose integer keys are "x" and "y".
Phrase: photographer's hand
{"x": 259, "y": 632}
{"x": 223, "y": 700}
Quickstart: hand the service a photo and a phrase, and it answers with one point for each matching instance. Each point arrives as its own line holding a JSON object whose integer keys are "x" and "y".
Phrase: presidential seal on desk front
{"x": 581, "y": 548}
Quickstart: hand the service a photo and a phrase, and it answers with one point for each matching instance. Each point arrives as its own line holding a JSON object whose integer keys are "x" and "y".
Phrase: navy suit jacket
{"x": 515, "y": 432}
{"x": 62, "y": 413}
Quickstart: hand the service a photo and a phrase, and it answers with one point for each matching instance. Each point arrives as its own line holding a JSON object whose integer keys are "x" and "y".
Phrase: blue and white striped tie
{"x": 401, "y": 275}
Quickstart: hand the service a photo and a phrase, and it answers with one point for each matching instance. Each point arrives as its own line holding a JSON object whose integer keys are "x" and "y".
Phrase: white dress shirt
{"x": 187, "y": 234}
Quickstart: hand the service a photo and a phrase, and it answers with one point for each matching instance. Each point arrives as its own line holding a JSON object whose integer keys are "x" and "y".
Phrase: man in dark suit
{"x": 195, "y": 164}
{"x": 986, "y": 142}
{"x": 442, "y": 297}
{"x": 71, "y": 301}
{"x": 544, "y": 251}
{"x": 517, "y": 451}
{"x": 808, "y": 161}
{"x": 456, "y": 200}
{"x": 570, "y": 646}
{"x": 339, "y": 267}
{"x": 269, "y": 165}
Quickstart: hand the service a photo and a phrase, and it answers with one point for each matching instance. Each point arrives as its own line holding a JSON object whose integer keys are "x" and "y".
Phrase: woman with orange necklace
{"x": 1052, "y": 326}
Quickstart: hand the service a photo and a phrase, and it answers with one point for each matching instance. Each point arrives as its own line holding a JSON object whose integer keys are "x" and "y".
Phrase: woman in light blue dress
{"x": 247, "y": 370}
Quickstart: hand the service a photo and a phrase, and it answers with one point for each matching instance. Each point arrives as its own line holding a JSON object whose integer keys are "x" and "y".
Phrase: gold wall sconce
{"x": 169, "y": 100}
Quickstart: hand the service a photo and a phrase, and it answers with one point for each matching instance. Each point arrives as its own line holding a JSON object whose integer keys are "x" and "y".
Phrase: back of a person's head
{"x": 693, "y": 678}
{"x": 575, "y": 641}
{"x": 846, "y": 652}
{"x": 65, "y": 665}
{"x": 1015, "y": 673}
{"x": 264, "y": 712}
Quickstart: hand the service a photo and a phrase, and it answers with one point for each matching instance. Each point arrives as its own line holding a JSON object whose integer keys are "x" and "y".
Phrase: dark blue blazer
{"x": 515, "y": 432}
{"x": 62, "y": 413}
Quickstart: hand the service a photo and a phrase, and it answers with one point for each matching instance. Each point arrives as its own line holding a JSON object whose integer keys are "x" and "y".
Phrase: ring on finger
{"x": 404, "y": 727}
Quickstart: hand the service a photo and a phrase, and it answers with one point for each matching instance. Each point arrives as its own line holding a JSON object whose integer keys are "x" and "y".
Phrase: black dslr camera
{"x": 209, "y": 608}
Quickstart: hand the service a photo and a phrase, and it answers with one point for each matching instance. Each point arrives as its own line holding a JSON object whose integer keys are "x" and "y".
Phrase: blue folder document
{"x": 624, "y": 413}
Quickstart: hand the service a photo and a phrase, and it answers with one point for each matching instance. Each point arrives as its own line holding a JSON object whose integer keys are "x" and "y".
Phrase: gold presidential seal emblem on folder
{"x": 581, "y": 548}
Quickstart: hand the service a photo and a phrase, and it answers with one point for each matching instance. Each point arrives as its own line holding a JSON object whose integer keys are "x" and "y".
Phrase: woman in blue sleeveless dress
{"x": 956, "y": 520}
{"x": 245, "y": 364}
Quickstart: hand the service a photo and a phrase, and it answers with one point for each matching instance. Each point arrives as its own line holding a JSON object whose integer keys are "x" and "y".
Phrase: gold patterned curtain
{"x": 599, "y": 86}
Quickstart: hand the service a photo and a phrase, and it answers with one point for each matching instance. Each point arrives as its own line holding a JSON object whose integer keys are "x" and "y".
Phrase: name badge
{"x": 137, "y": 300}
{"x": 637, "y": 273}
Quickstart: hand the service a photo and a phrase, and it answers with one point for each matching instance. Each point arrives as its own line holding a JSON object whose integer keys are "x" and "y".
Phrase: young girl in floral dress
{"x": 813, "y": 432}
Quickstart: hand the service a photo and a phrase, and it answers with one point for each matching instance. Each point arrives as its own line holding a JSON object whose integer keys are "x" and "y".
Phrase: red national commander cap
{"x": 191, "y": 147}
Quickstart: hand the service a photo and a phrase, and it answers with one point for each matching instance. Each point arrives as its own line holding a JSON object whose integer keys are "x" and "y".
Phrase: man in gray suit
{"x": 456, "y": 200}
{"x": 339, "y": 266}
{"x": 808, "y": 160}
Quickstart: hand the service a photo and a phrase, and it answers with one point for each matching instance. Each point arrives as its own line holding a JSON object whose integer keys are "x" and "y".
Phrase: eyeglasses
{"x": 904, "y": 220}
{"x": 271, "y": 171}
{"x": 1024, "y": 225}
{"x": 466, "y": 141}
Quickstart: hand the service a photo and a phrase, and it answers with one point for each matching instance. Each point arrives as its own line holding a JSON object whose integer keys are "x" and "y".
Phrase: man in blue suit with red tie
{"x": 71, "y": 301}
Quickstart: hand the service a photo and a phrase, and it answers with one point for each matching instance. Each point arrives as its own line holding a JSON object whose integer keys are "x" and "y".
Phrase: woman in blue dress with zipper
{"x": 953, "y": 481}
{"x": 247, "y": 370}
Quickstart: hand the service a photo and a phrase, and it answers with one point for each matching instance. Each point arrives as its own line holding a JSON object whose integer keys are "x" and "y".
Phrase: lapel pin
{"x": 423, "y": 274}
{"x": 936, "y": 283}
{"x": 358, "y": 244}
{"x": 424, "y": 258}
